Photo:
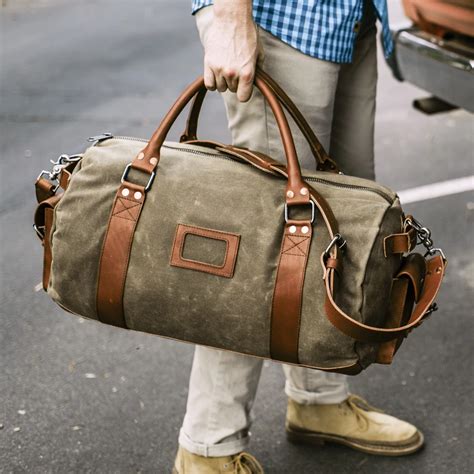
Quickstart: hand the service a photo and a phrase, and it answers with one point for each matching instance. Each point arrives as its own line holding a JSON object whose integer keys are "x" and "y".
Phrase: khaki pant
{"x": 339, "y": 103}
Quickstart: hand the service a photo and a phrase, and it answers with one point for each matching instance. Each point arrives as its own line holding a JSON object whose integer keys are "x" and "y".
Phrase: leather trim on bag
{"x": 47, "y": 256}
{"x": 232, "y": 247}
{"x": 116, "y": 251}
{"x": 288, "y": 291}
{"x": 44, "y": 189}
{"x": 398, "y": 243}
{"x": 400, "y": 306}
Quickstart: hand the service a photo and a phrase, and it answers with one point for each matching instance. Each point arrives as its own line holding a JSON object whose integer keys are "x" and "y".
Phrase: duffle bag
{"x": 226, "y": 247}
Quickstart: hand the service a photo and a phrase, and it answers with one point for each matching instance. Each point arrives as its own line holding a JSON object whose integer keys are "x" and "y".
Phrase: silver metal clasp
{"x": 433, "y": 307}
{"x": 423, "y": 237}
{"x": 337, "y": 240}
{"x": 40, "y": 231}
{"x": 127, "y": 170}
{"x": 58, "y": 165}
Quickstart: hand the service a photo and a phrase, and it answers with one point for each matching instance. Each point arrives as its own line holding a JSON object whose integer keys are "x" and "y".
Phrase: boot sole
{"x": 410, "y": 446}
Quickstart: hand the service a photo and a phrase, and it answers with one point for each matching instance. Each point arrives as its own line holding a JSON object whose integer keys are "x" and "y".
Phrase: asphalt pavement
{"x": 77, "y": 396}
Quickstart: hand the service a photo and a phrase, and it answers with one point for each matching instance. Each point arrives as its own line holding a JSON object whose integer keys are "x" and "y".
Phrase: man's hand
{"x": 231, "y": 48}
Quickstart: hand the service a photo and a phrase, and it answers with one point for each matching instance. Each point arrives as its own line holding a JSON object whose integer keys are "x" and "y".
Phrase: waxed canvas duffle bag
{"x": 223, "y": 246}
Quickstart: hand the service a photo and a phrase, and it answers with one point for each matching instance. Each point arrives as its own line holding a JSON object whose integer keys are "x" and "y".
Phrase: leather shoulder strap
{"x": 435, "y": 269}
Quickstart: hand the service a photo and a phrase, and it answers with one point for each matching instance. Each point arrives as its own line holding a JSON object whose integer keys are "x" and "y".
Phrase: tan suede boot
{"x": 353, "y": 423}
{"x": 189, "y": 463}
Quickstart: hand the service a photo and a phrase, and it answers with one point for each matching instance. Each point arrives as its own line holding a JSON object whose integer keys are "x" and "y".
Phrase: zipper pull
{"x": 96, "y": 139}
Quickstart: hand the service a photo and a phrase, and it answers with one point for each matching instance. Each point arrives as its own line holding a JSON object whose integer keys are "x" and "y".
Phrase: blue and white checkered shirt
{"x": 325, "y": 29}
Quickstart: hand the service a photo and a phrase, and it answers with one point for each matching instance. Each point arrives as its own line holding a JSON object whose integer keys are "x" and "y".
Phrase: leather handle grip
{"x": 323, "y": 161}
{"x": 296, "y": 191}
{"x": 435, "y": 268}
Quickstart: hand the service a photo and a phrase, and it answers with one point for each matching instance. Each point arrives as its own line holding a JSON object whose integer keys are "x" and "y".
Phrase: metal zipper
{"x": 350, "y": 186}
{"x": 105, "y": 136}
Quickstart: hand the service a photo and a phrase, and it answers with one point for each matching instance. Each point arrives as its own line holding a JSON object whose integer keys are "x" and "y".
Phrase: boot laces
{"x": 245, "y": 463}
{"x": 360, "y": 406}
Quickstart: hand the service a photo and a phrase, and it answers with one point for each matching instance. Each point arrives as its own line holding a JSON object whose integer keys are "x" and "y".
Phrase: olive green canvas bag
{"x": 223, "y": 246}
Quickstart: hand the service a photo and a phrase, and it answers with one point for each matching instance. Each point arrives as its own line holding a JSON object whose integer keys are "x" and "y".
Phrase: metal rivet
{"x": 290, "y": 194}
{"x": 140, "y": 156}
{"x": 292, "y": 229}
{"x": 137, "y": 195}
{"x": 305, "y": 229}
{"x": 154, "y": 161}
{"x": 438, "y": 270}
{"x": 304, "y": 191}
{"x": 125, "y": 192}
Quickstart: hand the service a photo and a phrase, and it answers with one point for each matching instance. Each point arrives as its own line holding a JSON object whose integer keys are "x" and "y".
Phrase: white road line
{"x": 431, "y": 191}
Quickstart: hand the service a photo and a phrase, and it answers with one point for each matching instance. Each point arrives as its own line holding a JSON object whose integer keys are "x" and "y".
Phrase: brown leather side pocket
{"x": 205, "y": 250}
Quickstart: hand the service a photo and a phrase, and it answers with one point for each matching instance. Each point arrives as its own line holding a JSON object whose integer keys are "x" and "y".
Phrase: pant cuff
{"x": 227, "y": 448}
{"x": 332, "y": 396}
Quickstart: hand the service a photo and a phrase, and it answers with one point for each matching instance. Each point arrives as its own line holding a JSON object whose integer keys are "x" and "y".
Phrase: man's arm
{"x": 231, "y": 48}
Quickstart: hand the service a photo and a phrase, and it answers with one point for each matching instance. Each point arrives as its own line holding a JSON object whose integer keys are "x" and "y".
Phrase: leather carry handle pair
{"x": 297, "y": 192}
{"x": 323, "y": 161}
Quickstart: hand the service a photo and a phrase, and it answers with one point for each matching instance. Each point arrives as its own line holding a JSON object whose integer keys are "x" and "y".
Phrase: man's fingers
{"x": 221, "y": 84}
{"x": 232, "y": 79}
{"x": 209, "y": 78}
{"x": 225, "y": 79}
{"x": 244, "y": 90}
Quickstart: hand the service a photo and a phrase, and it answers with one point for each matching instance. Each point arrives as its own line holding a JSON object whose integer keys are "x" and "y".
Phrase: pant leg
{"x": 308, "y": 386}
{"x": 352, "y": 137}
{"x": 311, "y": 83}
{"x": 222, "y": 390}
{"x": 352, "y": 147}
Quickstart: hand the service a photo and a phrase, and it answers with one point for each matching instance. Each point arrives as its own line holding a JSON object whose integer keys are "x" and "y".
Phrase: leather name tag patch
{"x": 205, "y": 250}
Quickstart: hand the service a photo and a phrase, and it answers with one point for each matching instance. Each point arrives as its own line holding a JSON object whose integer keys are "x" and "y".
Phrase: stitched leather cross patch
{"x": 126, "y": 209}
{"x": 295, "y": 245}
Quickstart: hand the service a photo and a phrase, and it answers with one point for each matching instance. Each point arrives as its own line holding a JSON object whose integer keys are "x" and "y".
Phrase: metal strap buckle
{"x": 58, "y": 165}
{"x": 313, "y": 211}
{"x": 434, "y": 251}
{"x": 433, "y": 307}
{"x": 423, "y": 237}
{"x": 337, "y": 240}
{"x": 40, "y": 231}
{"x": 127, "y": 170}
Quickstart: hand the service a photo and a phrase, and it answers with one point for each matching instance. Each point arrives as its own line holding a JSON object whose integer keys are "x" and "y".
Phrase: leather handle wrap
{"x": 323, "y": 161}
{"x": 435, "y": 269}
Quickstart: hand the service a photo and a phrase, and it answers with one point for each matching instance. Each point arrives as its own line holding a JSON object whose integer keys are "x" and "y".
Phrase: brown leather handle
{"x": 323, "y": 161}
{"x": 296, "y": 191}
{"x": 435, "y": 268}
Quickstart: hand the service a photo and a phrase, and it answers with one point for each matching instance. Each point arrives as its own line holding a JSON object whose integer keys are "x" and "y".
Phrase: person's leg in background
{"x": 222, "y": 390}
{"x": 352, "y": 135}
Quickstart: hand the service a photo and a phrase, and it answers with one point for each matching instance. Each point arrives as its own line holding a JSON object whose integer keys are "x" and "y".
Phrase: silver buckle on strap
{"x": 127, "y": 170}
{"x": 423, "y": 237}
{"x": 313, "y": 211}
{"x": 337, "y": 240}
